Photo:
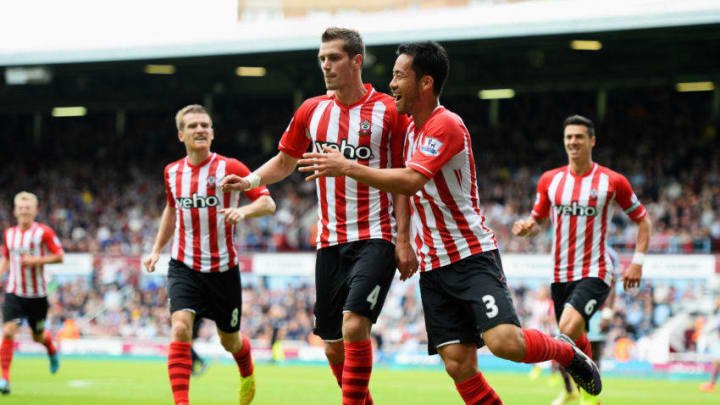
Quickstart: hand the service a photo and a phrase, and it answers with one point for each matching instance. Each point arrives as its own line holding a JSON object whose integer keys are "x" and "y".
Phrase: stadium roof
{"x": 132, "y": 29}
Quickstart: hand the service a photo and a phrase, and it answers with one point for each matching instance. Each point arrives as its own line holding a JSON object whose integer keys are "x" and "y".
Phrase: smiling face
{"x": 578, "y": 143}
{"x": 338, "y": 68}
{"x": 404, "y": 84}
{"x": 25, "y": 211}
{"x": 197, "y": 132}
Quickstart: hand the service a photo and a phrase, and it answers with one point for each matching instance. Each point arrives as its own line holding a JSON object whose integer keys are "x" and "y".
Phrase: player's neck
{"x": 195, "y": 157}
{"x": 424, "y": 110}
{"x": 351, "y": 94}
{"x": 580, "y": 167}
{"x": 25, "y": 225}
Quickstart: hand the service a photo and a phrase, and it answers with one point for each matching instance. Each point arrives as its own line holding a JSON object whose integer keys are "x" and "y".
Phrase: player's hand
{"x": 632, "y": 276}
{"x": 149, "y": 262}
{"x": 523, "y": 227}
{"x": 331, "y": 163}
{"x": 29, "y": 260}
{"x": 405, "y": 260}
{"x": 233, "y": 215}
{"x": 233, "y": 182}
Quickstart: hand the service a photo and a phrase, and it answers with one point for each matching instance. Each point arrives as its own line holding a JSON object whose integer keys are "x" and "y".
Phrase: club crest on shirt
{"x": 365, "y": 128}
{"x": 430, "y": 146}
{"x": 211, "y": 181}
{"x": 593, "y": 194}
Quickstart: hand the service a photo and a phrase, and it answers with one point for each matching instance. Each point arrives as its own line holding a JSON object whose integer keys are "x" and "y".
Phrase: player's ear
{"x": 592, "y": 141}
{"x": 357, "y": 61}
{"x": 427, "y": 82}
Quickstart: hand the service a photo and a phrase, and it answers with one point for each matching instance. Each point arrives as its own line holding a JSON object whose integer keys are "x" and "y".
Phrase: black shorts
{"x": 354, "y": 277}
{"x": 216, "y": 296}
{"x": 15, "y": 309}
{"x": 464, "y": 299}
{"x": 586, "y": 295}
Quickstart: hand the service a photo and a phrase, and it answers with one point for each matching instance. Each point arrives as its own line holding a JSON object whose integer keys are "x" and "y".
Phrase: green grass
{"x": 116, "y": 382}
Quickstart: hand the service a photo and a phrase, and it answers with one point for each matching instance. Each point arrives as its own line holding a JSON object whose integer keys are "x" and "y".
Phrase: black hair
{"x": 429, "y": 58}
{"x": 580, "y": 120}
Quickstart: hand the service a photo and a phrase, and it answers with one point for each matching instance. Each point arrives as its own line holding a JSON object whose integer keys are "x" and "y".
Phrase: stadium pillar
{"x": 601, "y": 104}
{"x": 37, "y": 127}
{"x": 120, "y": 122}
{"x": 716, "y": 103}
{"x": 494, "y": 113}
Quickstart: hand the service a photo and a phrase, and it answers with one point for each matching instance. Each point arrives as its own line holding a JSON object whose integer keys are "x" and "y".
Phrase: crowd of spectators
{"x": 101, "y": 189}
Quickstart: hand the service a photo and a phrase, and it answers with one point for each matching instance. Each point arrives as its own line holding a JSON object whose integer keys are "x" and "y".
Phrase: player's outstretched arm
{"x": 31, "y": 261}
{"x": 165, "y": 232}
{"x": 332, "y": 163}
{"x": 274, "y": 170}
{"x": 527, "y": 227}
{"x": 633, "y": 274}
{"x": 405, "y": 257}
{"x": 262, "y": 206}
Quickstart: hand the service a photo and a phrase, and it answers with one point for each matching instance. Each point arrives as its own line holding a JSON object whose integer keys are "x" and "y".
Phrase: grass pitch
{"x": 145, "y": 382}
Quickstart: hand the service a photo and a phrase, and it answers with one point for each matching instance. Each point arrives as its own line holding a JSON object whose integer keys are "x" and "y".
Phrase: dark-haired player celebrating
{"x": 579, "y": 199}
{"x": 466, "y": 300}
{"x": 358, "y": 245}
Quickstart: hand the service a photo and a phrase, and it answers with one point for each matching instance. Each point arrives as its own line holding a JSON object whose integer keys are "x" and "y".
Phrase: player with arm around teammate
{"x": 363, "y": 233}
{"x": 203, "y": 276}
{"x": 579, "y": 200}
{"x": 466, "y": 300}
{"x": 27, "y": 248}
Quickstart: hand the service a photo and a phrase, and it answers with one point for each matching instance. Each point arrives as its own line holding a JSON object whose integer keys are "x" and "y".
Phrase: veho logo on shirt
{"x": 348, "y": 150}
{"x": 576, "y": 210}
{"x": 198, "y": 201}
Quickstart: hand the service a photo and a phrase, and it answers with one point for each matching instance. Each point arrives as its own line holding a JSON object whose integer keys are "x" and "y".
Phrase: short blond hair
{"x": 25, "y": 196}
{"x": 192, "y": 108}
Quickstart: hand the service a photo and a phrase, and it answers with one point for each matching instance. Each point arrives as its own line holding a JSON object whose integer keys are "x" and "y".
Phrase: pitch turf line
{"x": 116, "y": 382}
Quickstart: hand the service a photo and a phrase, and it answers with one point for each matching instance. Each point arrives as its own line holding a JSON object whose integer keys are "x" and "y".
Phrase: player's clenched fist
{"x": 150, "y": 262}
{"x": 233, "y": 182}
{"x": 233, "y": 215}
{"x": 523, "y": 227}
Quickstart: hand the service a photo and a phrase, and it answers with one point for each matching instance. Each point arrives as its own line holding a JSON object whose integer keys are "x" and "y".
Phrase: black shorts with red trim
{"x": 16, "y": 308}
{"x": 353, "y": 277}
{"x": 216, "y": 296}
{"x": 464, "y": 299}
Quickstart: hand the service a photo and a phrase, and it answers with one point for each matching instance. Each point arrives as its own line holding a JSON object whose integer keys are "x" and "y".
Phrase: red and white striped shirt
{"x": 369, "y": 131}
{"x": 581, "y": 211}
{"x": 37, "y": 240}
{"x": 203, "y": 240}
{"x": 447, "y": 224}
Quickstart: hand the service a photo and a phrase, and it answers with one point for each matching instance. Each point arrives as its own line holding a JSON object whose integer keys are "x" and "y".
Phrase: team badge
{"x": 365, "y": 128}
{"x": 593, "y": 194}
{"x": 430, "y": 146}
{"x": 211, "y": 181}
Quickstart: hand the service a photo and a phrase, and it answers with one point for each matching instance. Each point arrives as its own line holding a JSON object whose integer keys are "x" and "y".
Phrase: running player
{"x": 466, "y": 300}
{"x": 203, "y": 276}
{"x": 579, "y": 199}
{"x": 28, "y": 247}
{"x": 358, "y": 246}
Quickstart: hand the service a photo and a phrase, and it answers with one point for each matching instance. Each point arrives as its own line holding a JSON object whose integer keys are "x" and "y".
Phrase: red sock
{"x": 337, "y": 370}
{"x": 179, "y": 369}
{"x": 243, "y": 358}
{"x": 6, "y": 353}
{"x": 48, "y": 343}
{"x": 541, "y": 347}
{"x": 476, "y": 391}
{"x": 584, "y": 344}
{"x": 356, "y": 372}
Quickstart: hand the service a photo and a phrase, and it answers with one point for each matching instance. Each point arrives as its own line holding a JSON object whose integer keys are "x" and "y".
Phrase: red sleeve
{"x": 51, "y": 241}
{"x": 296, "y": 138}
{"x": 627, "y": 199}
{"x": 397, "y": 140}
{"x": 541, "y": 208}
{"x": 168, "y": 193}
{"x": 239, "y": 168}
{"x": 442, "y": 139}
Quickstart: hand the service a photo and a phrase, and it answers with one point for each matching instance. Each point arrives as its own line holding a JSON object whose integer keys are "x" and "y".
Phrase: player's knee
{"x": 181, "y": 332}
{"x": 460, "y": 369}
{"x": 8, "y": 330}
{"x": 355, "y": 327}
{"x": 38, "y": 337}
{"x": 231, "y": 344}
{"x": 335, "y": 352}
{"x": 507, "y": 342}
